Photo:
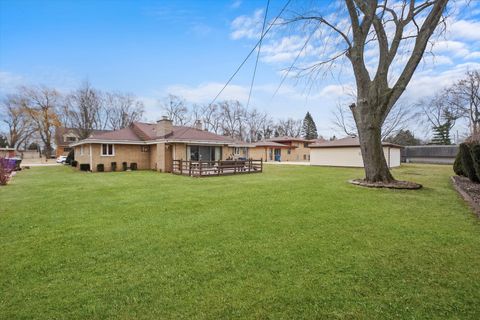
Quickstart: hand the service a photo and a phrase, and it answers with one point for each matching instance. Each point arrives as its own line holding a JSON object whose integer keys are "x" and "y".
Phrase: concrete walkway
{"x": 296, "y": 163}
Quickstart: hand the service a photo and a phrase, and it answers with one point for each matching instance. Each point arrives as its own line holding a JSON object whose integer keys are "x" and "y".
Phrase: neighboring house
{"x": 281, "y": 149}
{"x": 65, "y": 136}
{"x": 155, "y": 146}
{"x": 430, "y": 154}
{"x": 7, "y": 152}
{"x": 346, "y": 153}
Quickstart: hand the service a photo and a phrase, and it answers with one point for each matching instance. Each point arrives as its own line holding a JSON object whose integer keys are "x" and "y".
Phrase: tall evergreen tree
{"x": 309, "y": 127}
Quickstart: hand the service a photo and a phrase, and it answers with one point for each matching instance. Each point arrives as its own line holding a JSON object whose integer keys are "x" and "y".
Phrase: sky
{"x": 190, "y": 49}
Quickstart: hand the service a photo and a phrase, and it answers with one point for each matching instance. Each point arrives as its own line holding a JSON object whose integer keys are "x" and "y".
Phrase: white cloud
{"x": 249, "y": 27}
{"x": 464, "y": 29}
{"x": 9, "y": 81}
{"x": 204, "y": 93}
{"x": 236, "y": 4}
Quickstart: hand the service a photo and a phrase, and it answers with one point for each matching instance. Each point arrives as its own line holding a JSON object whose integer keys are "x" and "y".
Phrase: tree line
{"x": 231, "y": 118}
{"x": 32, "y": 113}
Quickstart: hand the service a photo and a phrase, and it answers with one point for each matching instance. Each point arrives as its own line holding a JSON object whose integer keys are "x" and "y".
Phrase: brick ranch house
{"x": 155, "y": 146}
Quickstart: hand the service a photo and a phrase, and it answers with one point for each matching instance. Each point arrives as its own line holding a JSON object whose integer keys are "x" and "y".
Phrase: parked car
{"x": 61, "y": 159}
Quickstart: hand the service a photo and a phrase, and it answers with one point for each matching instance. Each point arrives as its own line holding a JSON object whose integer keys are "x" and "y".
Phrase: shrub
{"x": 457, "y": 165}
{"x": 113, "y": 166}
{"x": 467, "y": 162}
{"x": 100, "y": 167}
{"x": 74, "y": 163}
{"x": 125, "y": 166}
{"x": 475, "y": 152}
{"x": 84, "y": 167}
{"x": 70, "y": 157}
{"x": 6, "y": 168}
{"x": 133, "y": 166}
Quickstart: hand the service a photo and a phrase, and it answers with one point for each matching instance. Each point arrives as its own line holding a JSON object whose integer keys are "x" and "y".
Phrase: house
{"x": 346, "y": 153}
{"x": 281, "y": 149}
{"x": 65, "y": 136}
{"x": 430, "y": 154}
{"x": 155, "y": 146}
{"x": 7, "y": 152}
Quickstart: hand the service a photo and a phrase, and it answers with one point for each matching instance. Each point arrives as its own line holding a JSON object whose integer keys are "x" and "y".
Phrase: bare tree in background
{"x": 255, "y": 121}
{"x": 439, "y": 114}
{"x": 83, "y": 110}
{"x": 398, "y": 119}
{"x": 397, "y": 30}
{"x": 123, "y": 109}
{"x": 212, "y": 118}
{"x": 41, "y": 104}
{"x": 289, "y": 127}
{"x": 465, "y": 94}
{"x": 233, "y": 116}
{"x": 17, "y": 120}
{"x": 176, "y": 109}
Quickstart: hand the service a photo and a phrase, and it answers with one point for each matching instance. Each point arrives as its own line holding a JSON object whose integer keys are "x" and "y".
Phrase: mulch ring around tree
{"x": 470, "y": 192}
{"x": 392, "y": 185}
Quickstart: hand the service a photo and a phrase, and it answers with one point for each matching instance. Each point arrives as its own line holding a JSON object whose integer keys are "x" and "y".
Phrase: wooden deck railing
{"x": 216, "y": 168}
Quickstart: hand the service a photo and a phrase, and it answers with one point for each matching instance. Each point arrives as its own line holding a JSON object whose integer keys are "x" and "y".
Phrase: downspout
{"x": 91, "y": 158}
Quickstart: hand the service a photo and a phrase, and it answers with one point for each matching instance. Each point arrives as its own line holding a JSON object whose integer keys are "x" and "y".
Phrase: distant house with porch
{"x": 282, "y": 149}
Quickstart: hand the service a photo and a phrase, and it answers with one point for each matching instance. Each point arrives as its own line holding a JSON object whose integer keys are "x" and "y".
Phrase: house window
{"x": 304, "y": 157}
{"x": 145, "y": 148}
{"x": 108, "y": 150}
{"x": 81, "y": 150}
{"x": 70, "y": 139}
{"x": 67, "y": 149}
{"x": 305, "y": 144}
{"x": 289, "y": 151}
{"x": 204, "y": 153}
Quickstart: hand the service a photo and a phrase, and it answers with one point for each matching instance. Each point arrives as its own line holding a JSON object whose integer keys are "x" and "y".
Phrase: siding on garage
{"x": 349, "y": 156}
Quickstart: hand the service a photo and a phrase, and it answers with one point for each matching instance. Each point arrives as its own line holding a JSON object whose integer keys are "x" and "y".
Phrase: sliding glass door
{"x": 204, "y": 153}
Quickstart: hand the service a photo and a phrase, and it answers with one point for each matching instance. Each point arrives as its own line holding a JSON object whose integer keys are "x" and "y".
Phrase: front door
{"x": 278, "y": 154}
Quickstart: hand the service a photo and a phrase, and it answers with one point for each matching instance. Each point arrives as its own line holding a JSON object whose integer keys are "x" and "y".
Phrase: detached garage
{"x": 346, "y": 153}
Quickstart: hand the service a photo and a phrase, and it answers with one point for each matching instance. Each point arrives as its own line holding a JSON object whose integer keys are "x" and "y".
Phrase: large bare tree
{"x": 16, "y": 119}
{"x": 83, "y": 110}
{"x": 122, "y": 110}
{"x": 41, "y": 105}
{"x": 176, "y": 109}
{"x": 389, "y": 26}
{"x": 465, "y": 94}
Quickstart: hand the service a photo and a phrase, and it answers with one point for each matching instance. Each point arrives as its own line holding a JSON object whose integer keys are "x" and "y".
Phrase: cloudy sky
{"x": 190, "y": 48}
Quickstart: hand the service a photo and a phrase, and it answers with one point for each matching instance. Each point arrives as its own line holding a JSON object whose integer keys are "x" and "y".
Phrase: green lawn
{"x": 293, "y": 242}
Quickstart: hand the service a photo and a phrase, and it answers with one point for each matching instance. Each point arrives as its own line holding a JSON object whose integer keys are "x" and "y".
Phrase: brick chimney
{"x": 198, "y": 125}
{"x": 164, "y": 126}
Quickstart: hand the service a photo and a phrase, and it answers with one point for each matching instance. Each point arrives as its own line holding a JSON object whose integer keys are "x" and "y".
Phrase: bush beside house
{"x": 467, "y": 162}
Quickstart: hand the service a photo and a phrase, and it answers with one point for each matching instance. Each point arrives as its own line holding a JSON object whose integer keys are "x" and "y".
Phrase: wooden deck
{"x": 216, "y": 168}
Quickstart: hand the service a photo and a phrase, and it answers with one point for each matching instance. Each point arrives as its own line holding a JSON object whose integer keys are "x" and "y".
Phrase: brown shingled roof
{"x": 285, "y": 139}
{"x": 140, "y": 131}
{"x": 346, "y": 142}
{"x": 269, "y": 144}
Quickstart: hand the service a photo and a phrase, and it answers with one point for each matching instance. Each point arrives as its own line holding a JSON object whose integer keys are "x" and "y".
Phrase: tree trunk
{"x": 376, "y": 167}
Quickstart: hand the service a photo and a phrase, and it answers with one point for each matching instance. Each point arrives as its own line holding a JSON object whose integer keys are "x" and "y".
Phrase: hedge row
{"x": 467, "y": 162}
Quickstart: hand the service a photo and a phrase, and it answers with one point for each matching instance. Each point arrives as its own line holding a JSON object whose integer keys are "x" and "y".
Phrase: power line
{"x": 294, "y": 62}
{"x": 258, "y": 55}
{"x": 253, "y": 50}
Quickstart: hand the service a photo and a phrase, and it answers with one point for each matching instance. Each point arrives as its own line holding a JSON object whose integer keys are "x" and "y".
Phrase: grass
{"x": 293, "y": 242}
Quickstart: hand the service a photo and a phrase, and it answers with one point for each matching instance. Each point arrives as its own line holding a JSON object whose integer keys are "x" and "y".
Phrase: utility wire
{"x": 253, "y": 50}
{"x": 294, "y": 62}
{"x": 258, "y": 55}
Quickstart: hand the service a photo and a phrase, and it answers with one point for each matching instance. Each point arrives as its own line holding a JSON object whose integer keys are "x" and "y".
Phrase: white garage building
{"x": 346, "y": 153}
